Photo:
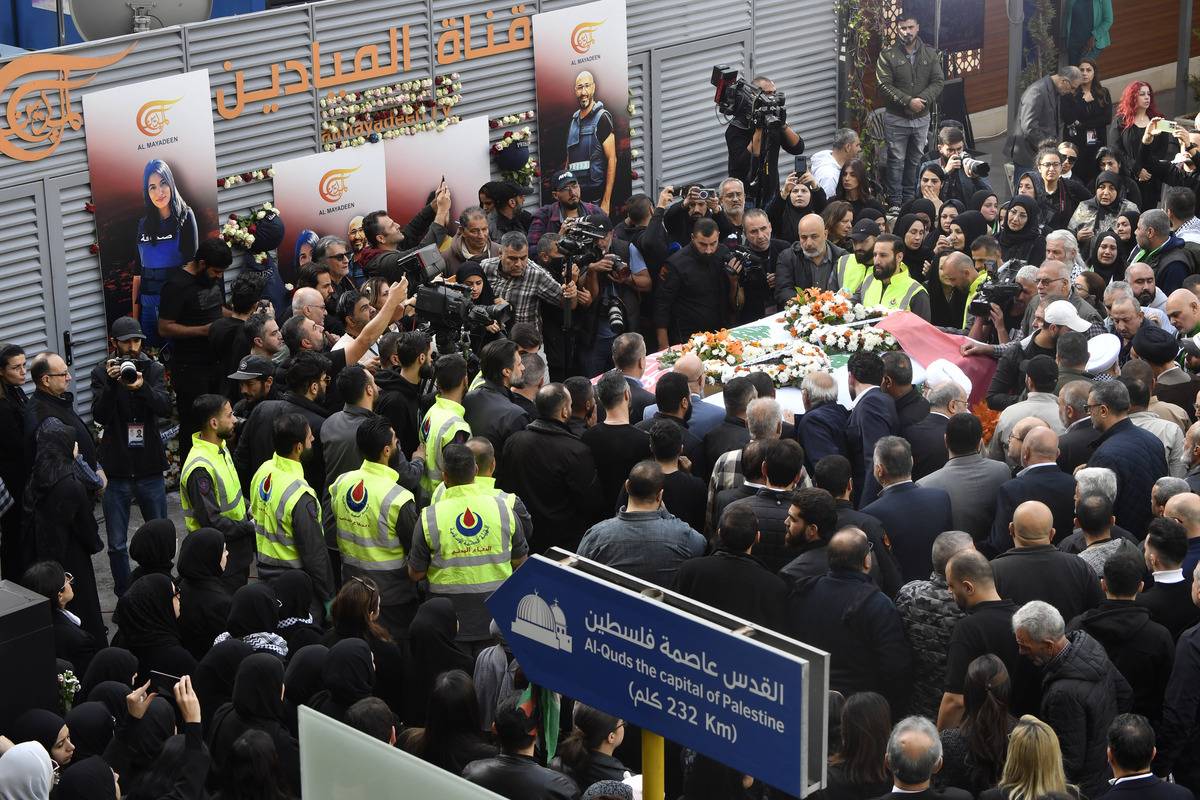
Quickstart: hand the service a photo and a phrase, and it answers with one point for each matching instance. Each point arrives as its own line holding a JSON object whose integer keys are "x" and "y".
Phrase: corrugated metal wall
{"x": 51, "y": 281}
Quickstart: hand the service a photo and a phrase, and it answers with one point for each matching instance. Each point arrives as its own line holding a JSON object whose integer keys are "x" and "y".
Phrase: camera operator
{"x": 756, "y": 256}
{"x": 128, "y": 399}
{"x": 388, "y": 243}
{"x": 964, "y": 175}
{"x": 615, "y": 280}
{"x": 522, "y": 282}
{"x": 1003, "y": 323}
{"x": 560, "y": 344}
{"x": 744, "y": 140}
{"x": 697, "y": 293}
{"x": 671, "y": 223}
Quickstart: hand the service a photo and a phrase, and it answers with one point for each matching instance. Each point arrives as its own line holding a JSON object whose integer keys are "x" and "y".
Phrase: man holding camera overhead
{"x": 128, "y": 399}
{"x": 744, "y": 139}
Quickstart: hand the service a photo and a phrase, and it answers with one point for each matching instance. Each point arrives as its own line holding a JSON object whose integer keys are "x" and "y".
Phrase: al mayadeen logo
{"x": 152, "y": 117}
{"x": 333, "y": 186}
{"x": 584, "y": 36}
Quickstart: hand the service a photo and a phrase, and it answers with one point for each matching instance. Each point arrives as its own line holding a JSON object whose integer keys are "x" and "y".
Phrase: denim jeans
{"x": 597, "y": 358}
{"x": 905, "y": 150}
{"x": 151, "y": 496}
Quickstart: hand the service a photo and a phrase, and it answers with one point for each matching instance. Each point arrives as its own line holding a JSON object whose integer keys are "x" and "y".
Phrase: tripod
{"x": 765, "y": 179}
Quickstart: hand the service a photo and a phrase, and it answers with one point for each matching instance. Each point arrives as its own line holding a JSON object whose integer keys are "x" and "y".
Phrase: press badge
{"x": 137, "y": 434}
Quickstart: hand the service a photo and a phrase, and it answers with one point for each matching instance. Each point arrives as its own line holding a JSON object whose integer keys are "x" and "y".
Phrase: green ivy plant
{"x": 862, "y": 25}
{"x": 1042, "y": 58}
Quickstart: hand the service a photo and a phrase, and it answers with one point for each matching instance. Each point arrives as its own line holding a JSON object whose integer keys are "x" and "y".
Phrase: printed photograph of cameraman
{"x": 744, "y": 136}
{"x": 129, "y": 398}
{"x": 964, "y": 175}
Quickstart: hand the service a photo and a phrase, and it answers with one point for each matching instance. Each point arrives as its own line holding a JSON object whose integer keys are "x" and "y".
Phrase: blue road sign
{"x": 734, "y": 699}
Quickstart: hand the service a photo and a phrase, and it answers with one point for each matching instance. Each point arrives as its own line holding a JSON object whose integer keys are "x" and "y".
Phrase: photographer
{"x": 964, "y": 175}
{"x": 520, "y": 281}
{"x": 1003, "y": 323}
{"x": 749, "y": 160}
{"x": 756, "y": 257}
{"x": 558, "y": 341}
{"x": 388, "y": 243}
{"x": 671, "y": 224}
{"x": 615, "y": 278}
{"x": 128, "y": 398}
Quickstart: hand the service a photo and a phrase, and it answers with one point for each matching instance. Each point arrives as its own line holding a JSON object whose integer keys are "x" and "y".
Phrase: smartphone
{"x": 801, "y": 166}
{"x": 163, "y": 683}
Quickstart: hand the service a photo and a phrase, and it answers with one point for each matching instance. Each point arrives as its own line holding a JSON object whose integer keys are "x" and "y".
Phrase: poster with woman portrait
{"x": 152, "y": 160}
{"x": 581, "y": 68}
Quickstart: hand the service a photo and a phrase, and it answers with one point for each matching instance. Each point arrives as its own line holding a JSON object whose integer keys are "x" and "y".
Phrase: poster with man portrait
{"x": 152, "y": 159}
{"x": 581, "y": 66}
{"x": 417, "y": 164}
{"x": 318, "y": 195}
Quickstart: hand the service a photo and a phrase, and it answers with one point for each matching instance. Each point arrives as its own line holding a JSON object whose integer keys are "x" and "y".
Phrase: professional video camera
{"x": 752, "y": 106}
{"x": 580, "y": 244}
{"x": 753, "y": 264}
{"x": 448, "y": 306}
{"x": 1001, "y": 290}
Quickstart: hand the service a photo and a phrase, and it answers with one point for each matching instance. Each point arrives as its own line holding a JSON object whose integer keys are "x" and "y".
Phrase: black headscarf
{"x": 976, "y": 204}
{"x": 91, "y": 725}
{"x": 88, "y": 779}
{"x": 200, "y": 558}
{"x": 153, "y": 548}
{"x": 1118, "y": 184}
{"x": 112, "y": 695}
{"x": 110, "y": 664}
{"x": 254, "y": 610}
{"x": 1011, "y": 238}
{"x": 140, "y": 744}
{"x": 294, "y": 590}
{"x": 434, "y": 651}
{"x": 1126, "y": 247}
{"x": 204, "y": 600}
{"x": 302, "y": 678}
{"x": 37, "y": 725}
{"x": 54, "y": 462}
{"x": 973, "y": 225}
{"x": 257, "y": 688}
{"x": 1106, "y": 271}
{"x": 348, "y": 675}
{"x": 914, "y": 258}
{"x": 146, "y": 613}
{"x": 215, "y": 675}
{"x": 938, "y": 230}
{"x": 470, "y": 268}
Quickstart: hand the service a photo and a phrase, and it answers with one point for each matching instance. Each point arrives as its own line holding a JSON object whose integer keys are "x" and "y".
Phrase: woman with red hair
{"x": 1138, "y": 141}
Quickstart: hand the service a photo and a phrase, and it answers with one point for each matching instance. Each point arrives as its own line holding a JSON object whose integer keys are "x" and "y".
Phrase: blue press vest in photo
{"x": 585, "y": 152}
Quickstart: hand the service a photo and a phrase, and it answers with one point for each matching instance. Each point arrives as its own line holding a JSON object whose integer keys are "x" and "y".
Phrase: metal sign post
{"x": 741, "y": 695}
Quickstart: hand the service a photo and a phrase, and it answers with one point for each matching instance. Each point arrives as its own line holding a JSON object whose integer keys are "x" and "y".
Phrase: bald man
{"x": 1034, "y": 569}
{"x": 1183, "y": 309}
{"x": 1185, "y": 509}
{"x": 1191, "y": 450}
{"x": 1040, "y": 479}
{"x": 702, "y": 417}
{"x": 810, "y": 263}
{"x": 956, "y": 272}
{"x": 592, "y": 145}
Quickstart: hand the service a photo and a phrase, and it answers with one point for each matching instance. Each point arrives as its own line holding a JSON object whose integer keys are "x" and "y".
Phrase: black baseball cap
{"x": 564, "y": 179}
{"x": 125, "y": 328}
{"x": 601, "y": 221}
{"x": 254, "y": 368}
{"x": 864, "y": 229}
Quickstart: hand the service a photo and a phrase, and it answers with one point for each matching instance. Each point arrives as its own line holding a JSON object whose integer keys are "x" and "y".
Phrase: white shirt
{"x": 826, "y": 171}
{"x": 372, "y": 351}
{"x": 1169, "y": 576}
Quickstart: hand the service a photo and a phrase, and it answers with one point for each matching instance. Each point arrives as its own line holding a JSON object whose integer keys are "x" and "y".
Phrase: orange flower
{"x": 987, "y": 418}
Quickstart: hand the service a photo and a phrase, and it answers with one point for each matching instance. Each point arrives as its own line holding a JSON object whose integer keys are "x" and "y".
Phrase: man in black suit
{"x": 913, "y": 516}
{"x": 911, "y": 406}
{"x": 1130, "y": 752}
{"x": 821, "y": 429}
{"x": 1170, "y": 597}
{"x": 675, "y": 406}
{"x": 832, "y": 474}
{"x": 629, "y": 356}
{"x": 873, "y": 417}
{"x": 914, "y": 753}
{"x": 928, "y": 437}
{"x": 1040, "y": 480}
{"x": 1075, "y": 446}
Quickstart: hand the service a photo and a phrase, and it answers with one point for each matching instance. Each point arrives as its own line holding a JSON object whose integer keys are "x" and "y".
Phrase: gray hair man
{"x": 1164, "y": 252}
{"x": 826, "y": 165}
{"x": 914, "y": 754}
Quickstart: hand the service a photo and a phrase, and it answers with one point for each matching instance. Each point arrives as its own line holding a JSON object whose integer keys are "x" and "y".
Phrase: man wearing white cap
{"x": 947, "y": 390}
{"x": 1051, "y": 321}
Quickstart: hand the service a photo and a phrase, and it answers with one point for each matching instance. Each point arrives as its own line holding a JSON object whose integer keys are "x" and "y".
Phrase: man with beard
{"x": 852, "y": 268}
{"x": 191, "y": 301}
{"x": 210, "y": 491}
{"x": 951, "y": 290}
{"x": 890, "y": 286}
{"x": 1051, "y": 320}
{"x": 1141, "y": 280}
{"x": 567, "y": 205}
{"x": 809, "y": 263}
{"x": 909, "y": 75}
{"x": 255, "y": 377}
{"x": 748, "y": 148}
{"x": 407, "y": 368}
{"x": 1162, "y": 250}
{"x": 387, "y": 242}
{"x": 1183, "y": 309}
{"x": 1127, "y": 319}
{"x": 757, "y": 280}
{"x": 592, "y": 145}
{"x": 732, "y": 196}
{"x": 697, "y": 293}
{"x": 501, "y": 200}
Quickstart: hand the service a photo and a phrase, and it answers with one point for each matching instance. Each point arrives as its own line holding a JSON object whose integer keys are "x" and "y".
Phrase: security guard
{"x": 287, "y": 517}
{"x": 889, "y": 284}
{"x": 443, "y": 423}
{"x": 485, "y": 468}
{"x": 212, "y": 493}
{"x": 852, "y": 268}
{"x": 375, "y": 518}
{"x": 467, "y": 544}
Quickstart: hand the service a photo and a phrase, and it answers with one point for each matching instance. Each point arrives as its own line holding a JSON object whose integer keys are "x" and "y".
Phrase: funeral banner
{"x": 416, "y": 166}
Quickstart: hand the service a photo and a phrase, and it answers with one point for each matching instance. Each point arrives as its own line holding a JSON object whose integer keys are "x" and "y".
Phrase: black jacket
{"x": 1171, "y": 606}
{"x": 1081, "y": 694}
{"x": 1150, "y": 787}
{"x": 770, "y": 507}
{"x": 639, "y": 398}
{"x": 913, "y": 517}
{"x": 42, "y": 405}
{"x": 1045, "y": 484}
{"x": 822, "y": 432}
{"x": 257, "y": 442}
{"x": 399, "y": 401}
{"x": 553, "y": 472}
{"x": 731, "y": 434}
{"x": 72, "y": 643}
{"x": 911, "y": 408}
{"x": 1139, "y": 459}
{"x": 694, "y": 296}
{"x": 693, "y": 448}
{"x": 520, "y": 778}
{"x": 737, "y": 584}
{"x": 882, "y": 557}
{"x": 1075, "y": 446}
{"x": 116, "y": 408}
{"x": 492, "y": 414}
{"x": 1140, "y": 648}
{"x": 928, "y": 440}
{"x": 844, "y": 614}
{"x": 1179, "y": 733}
{"x": 1044, "y": 573}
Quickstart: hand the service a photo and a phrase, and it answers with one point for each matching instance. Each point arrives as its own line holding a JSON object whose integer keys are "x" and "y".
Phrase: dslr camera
{"x": 129, "y": 369}
{"x": 448, "y": 306}
{"x": 580, "y": 244}
{"x": 1001, "y": 290}
{"x": 746, "y": 103}
{"x": 753, "y": 265}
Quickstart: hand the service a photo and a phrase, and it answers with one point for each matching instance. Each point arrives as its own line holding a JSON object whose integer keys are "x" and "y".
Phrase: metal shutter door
{"x": 28, "y": 318}
{"x": 686, "y": 116}
{"x": 653, "y": 23}
{"x": 639, "y": 69}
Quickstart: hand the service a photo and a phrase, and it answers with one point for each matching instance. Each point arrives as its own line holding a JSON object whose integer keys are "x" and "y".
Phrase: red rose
{"x": 94, "y": 248}
{"x": 252, "y": 228}
{"x": 233, "y": 217}
{"x": 493, "y": 123}
{"x": 247, "y": 176}
{"x": 220, "y": 183}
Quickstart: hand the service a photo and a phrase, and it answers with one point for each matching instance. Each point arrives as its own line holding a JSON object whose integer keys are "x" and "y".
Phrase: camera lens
{"x": 129, "y": 372}
{"x": 616, "y": 318}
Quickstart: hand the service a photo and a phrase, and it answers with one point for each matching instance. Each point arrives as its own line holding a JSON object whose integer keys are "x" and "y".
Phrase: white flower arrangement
{"x": 788, "y": 368}
{"x": 852, "y": 340}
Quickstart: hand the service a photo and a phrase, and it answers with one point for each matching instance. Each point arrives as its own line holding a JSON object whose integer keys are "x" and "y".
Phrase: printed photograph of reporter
{"x": 581, "y": 67}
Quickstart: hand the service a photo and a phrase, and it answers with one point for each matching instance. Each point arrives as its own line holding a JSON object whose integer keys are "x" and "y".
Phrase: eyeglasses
{"x": 1051, "y": 165}
{"x": 58, "y": 374}
{"x": 339, "y": 256}
{"x": 1069, "y": 159}
{"x": 1048, "y": 281}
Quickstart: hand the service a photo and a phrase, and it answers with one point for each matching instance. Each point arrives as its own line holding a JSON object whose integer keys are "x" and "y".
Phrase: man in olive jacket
{"x": 910, "y": 78}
